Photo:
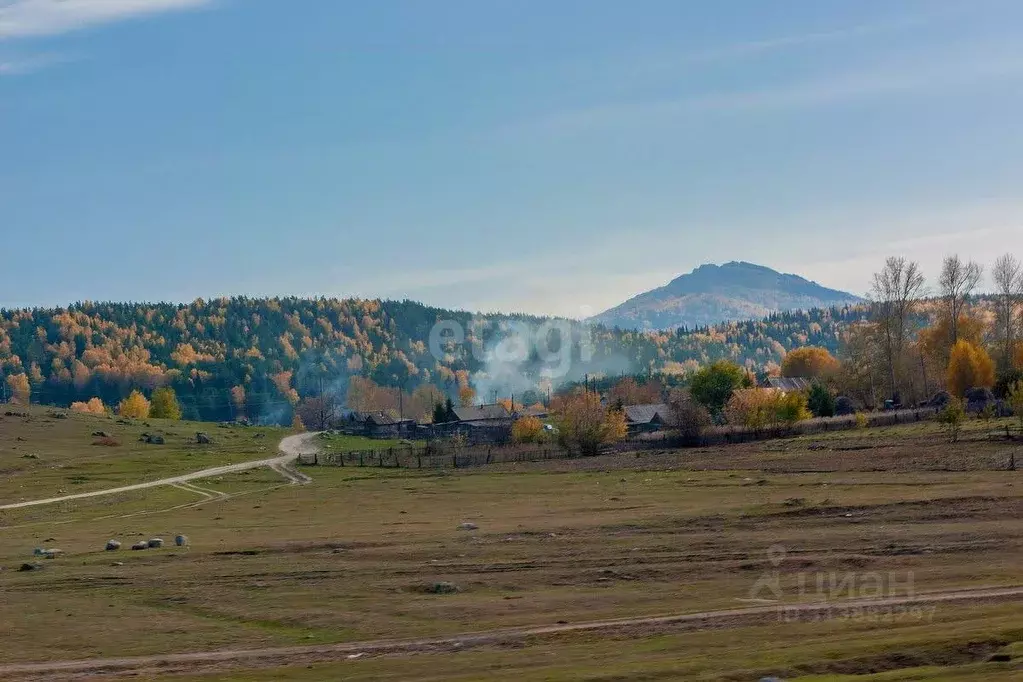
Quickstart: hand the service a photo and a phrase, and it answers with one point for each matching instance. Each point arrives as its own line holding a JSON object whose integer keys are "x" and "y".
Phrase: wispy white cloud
{"x": 20, "y": 66}
{"x": 923, "y": 75}
{"x": 28, "y": 18}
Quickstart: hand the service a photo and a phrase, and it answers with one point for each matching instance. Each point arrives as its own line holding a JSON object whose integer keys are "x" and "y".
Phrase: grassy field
{"x": 354, "y": 556}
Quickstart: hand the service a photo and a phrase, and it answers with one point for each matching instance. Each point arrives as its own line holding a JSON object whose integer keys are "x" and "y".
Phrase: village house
{"x": 642, "y": 418}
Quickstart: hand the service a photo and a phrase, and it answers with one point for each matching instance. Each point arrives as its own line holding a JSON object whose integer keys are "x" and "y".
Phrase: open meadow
{"x": 376, "y": 574}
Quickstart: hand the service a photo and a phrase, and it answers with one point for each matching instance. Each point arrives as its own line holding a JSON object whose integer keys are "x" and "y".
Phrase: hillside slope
{"x": 716, "y": 293}
{"x": 256, "y": 357}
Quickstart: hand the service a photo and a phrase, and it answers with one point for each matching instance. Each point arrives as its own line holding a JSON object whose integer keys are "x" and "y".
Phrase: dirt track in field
{"x": 206, "y": 661}
{"x": 290, "y": 448}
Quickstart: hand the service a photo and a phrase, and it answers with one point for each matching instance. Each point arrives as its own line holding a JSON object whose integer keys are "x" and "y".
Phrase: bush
{"x": 951, "y": 419}
{"x": 1015, "y": 401}
{"x": 759, "y": 408}
{"x": 585, "y": 424}
{"x": 752, "y": 408}
{"x": 688, "y": 416}
{"x": 820, "y": 401}
{"x": 165, "y": 404}
{"x": 1006, "y": 381}
{"x": 713, "y": 386}
{"x": 527, "y": 430}
{"x": 93, "y": 406}
{"x": 791, "y": 408}
{"x": 135, "y": 406}
{"x": 862, "y": 421}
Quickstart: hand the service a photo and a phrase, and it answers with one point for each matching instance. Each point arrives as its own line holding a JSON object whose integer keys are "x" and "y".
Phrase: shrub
{"x": 585, "y": 424}
{"x": 820, "y": 401}
{"x": 713, "y": 386}
{"x": 135, "y": 406}
{"x": 791, "y": 408}
{"x": 753, "y": 408}
{"x": 93, "y": 406}
{"x": 1006, "y": 381}
{"x": 951, "y": 419}
{"x": 688, "y": 416}
{"x": 862, "y": 421}
{"x": 527, "y": 430}
{"x": 165, "y": 404}
{"x": 1015, "y": 400}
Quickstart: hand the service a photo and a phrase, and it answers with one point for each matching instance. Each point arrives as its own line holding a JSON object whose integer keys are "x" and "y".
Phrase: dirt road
{"x": 290, "y": 448}
{"x": 280, "y": 656}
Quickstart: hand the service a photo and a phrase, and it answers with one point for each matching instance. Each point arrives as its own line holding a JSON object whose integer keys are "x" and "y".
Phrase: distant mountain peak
{"x": 713, "y": 293}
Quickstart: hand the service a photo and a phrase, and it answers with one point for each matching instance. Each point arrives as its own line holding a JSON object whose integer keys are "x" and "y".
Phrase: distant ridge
{"x": 719, "y": 293}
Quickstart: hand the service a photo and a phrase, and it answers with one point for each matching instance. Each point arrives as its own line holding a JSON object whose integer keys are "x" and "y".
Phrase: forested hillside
{"x": 256, "y": 357}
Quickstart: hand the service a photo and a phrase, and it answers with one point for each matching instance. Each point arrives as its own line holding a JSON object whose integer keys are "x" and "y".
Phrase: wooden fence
{"x": 433, "y": 457}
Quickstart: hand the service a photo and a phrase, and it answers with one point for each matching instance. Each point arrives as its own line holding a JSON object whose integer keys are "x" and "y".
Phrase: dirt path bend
{"x": 293, "y": 655}
{"x": 289, "y": 449}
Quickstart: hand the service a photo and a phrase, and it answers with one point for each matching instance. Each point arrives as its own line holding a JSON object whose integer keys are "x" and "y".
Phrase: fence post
{"x": 419, "y": 458}
{"x": 361, "y": 462}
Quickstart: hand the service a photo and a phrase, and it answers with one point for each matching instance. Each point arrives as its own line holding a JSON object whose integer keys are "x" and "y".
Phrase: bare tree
{"x": 318, "y": 412}
{"x": 896, "y": 290}
{"x": 957, "y": 281}
{"x": 1008, "y": 278}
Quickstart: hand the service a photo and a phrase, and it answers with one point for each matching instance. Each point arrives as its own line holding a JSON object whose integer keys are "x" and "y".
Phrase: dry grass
{"x": 343, "y": 560}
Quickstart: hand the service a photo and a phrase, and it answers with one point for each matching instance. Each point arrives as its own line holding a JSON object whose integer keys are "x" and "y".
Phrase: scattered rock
{"x": 468, "y": 526}
{"x": 100, "y": 434}
{"x": 142, "y": 544}
{"x": 113, "y": 545}
{"x": 155, "y": 543}
{"x": 180, "y": 540}
{"x": 151, "y": 439}
{"x": 20, "y": 439}
{"x": 794, "y": 502}
{"x": 30, "y": 567}
{"x": 260, "y": 435}
{"x": 203, "y": 438}
{"x": 440, "y": 588}
{"x": 117, "y": 563}
{"x": 30, "y": 456}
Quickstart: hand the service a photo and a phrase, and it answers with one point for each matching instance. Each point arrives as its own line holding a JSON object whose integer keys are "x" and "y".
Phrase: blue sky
{"x": 546, "y": 156}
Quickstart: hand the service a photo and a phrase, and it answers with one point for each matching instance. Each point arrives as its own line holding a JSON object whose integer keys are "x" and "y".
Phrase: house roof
{"x": 788, "y": 384}
{"x": 646, "y": 414}
{"x": 476, "y": 413}
{"x": 532, "y": 411}
{"x": 378, "y": 418}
